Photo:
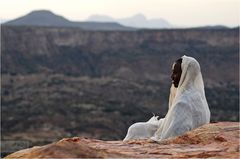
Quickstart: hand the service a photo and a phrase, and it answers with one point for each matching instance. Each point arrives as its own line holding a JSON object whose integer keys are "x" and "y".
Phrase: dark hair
{"x": 179, "y": 60}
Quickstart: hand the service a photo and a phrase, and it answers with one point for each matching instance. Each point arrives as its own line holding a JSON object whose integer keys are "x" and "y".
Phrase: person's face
{"x": 176, "y": 74}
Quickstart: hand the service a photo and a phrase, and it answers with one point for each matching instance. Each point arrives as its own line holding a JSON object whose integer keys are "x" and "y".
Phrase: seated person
{"x": 188, "y": 108}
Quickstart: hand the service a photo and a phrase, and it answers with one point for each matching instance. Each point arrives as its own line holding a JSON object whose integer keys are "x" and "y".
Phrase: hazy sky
{"x": 178, "y": 12}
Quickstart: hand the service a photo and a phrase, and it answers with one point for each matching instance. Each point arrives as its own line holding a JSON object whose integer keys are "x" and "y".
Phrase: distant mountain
{"x": 100, "y": 18}
{"x": 137, "y": 21}
{"x": 96, "y": 22}
{"x": 47, "y": 18}
{"x": 212, "y": 27}
{"x": 41, "y": 17}
{"x": 3, "y": 21}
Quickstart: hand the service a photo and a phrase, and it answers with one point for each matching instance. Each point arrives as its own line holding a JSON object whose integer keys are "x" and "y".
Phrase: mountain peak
{"x": 46, "y": 12}
{"x": 137, "y": 21}
{"x": 40, "y": 17}
{"x": 139, "y": 16}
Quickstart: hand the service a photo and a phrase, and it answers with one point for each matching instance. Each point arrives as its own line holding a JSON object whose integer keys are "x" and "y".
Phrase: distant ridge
{"x": 212, "y": 27}
{"x": 136, "y": 21}
{"x": 3, "y": 21}
{"x": 41, "y": 17}
{"x": 47, "y": 18}
{"x": 98, "y": 22}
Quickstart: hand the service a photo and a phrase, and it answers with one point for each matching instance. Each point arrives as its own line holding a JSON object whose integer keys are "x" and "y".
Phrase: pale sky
{"x": 177, "y": 12}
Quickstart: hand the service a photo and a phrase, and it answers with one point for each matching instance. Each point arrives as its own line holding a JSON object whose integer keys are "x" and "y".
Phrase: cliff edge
{"x": 215, "y": 140}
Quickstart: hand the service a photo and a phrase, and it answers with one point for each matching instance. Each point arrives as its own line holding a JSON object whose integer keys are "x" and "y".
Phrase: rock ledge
{"x": 215, "y": 140}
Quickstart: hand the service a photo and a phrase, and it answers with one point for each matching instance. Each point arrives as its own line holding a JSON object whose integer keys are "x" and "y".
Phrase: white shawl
{"x": 188, "y": 108}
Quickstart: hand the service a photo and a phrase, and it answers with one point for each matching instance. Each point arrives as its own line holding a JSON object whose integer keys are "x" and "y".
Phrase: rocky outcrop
{"x": 215, "y": 140}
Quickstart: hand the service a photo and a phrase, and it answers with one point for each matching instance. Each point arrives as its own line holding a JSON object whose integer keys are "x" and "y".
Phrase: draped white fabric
{"x": 188, "y": 108}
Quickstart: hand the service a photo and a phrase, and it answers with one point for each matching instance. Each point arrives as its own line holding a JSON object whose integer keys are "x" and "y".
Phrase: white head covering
{"x": 189, "y": 108}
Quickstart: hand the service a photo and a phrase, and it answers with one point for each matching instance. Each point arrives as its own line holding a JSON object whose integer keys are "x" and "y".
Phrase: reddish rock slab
{"x": 215, "y": 140}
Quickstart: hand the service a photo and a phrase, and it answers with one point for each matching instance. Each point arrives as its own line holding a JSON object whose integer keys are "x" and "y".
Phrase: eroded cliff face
{"x": 216, "y": 140}
{"x": 146, "y": 54}
{"x": 44, "y": 39}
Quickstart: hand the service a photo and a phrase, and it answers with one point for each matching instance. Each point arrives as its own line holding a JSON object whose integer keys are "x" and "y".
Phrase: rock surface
{"x": 215, "y": 140}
